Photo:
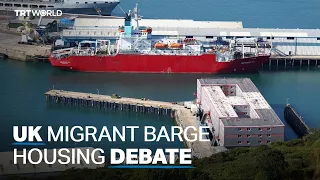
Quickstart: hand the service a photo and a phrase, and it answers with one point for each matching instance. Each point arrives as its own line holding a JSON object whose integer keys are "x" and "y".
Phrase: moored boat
{"x": 136, "y": 51}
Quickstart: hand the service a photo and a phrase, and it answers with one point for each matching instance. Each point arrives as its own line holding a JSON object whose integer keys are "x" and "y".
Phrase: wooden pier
{"x": 182, "y": 115}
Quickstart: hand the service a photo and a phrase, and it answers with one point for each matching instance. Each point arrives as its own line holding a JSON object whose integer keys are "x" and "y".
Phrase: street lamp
{"x": 98, "y": 91}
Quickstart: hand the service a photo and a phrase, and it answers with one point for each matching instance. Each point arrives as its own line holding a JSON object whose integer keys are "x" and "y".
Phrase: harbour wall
{"x": 295, "y": 121}
{"x": 10, "y": 48}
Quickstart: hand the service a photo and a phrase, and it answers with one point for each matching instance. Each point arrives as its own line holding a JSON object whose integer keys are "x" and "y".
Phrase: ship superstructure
{"x": 135, "y": 50}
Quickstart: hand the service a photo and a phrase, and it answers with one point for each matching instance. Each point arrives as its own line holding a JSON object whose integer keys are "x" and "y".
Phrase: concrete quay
{"x": 182, "y": 115}
{"x": 9, "y": 47}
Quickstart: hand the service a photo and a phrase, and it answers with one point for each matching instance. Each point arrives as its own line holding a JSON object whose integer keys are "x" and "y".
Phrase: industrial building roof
{"x": 245, "y": 84}
{"x": 155, "y": 23}
{"x": 241, "y": 32}
{"x": 184, "y": 27}
{"x": 261, "y": 114}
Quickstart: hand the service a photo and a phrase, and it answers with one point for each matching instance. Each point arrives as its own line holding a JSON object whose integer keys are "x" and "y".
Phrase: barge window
{"x": 1, "y": 4}
{"x": 106, "y": 2}
{"x": 229, "y": 37}
{"x": 77, "y": 2}
{"x": 270, "y": 38}
{"x": 249, "y": 129}
{"x": 50, "y": 6}
{"x": 189, "y": 36}
{"x": 17, "y": 5}
{"x": 290, "y": 38}
{"x": 239, "y": 142}
{"x": 94, "y": 2}
{"x": 209, "y": 37}
{"x": 25, "y": 5}
{"x": 260, "y": 129}
{"x": 34, "y": 6}
{"x": 8, "y": 5}
{"x": 86, "y": 2}
{"x": 318, "y": 39}
{"x": 41, "y": 6}
{"x": 248, "y": 142}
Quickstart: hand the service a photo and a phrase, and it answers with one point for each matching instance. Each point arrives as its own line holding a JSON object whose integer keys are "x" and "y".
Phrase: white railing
{"x": 90, "y": 32}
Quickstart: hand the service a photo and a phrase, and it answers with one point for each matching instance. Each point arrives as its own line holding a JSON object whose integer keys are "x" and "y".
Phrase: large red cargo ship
{"x": 205, "y": 63}
{"x": 136, "y": 51}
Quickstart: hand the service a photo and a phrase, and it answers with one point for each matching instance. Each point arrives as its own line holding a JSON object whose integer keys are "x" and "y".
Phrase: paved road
{"x": 8, "y": 37}
{"x": 9, "y": 46}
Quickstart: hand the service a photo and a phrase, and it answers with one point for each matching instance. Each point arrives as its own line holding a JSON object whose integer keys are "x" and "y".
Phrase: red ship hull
{"x": 132, "y": 63}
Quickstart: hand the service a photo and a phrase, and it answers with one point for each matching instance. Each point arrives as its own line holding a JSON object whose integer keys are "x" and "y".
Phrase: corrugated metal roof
{"x": 164, "y": 23}
{"x": 198, "y": 28}
{"x": 189, "y": 23}
{"x": 255, "y": 32}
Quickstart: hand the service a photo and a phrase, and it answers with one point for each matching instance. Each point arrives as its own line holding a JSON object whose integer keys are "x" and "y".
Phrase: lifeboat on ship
{"x": 211, "y": 51}
{"x": 121, "y": 29}
{"x": 145, "y": 29}
{"x": 160, "y": 45}
{"x": 176, "y": 46}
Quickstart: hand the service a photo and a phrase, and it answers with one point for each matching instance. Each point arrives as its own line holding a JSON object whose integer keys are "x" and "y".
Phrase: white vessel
{"x": 91, "y": 7}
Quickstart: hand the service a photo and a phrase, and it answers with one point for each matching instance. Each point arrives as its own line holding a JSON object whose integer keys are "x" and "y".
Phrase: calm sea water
{"x": 23, "y": 85}
{"x": 253, "y": 13}
{"x": 23, "y": 102}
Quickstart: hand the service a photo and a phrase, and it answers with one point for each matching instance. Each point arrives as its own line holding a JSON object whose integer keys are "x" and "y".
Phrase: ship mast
{"x": 136, "y": 15}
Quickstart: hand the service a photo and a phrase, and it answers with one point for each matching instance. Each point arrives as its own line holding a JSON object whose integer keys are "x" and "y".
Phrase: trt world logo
{"x": 29, "y": 134}
{"x": 38, "y": 13}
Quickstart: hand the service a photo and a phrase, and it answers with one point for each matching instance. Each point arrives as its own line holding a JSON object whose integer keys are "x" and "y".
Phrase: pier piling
{"x": 182, "y": 115}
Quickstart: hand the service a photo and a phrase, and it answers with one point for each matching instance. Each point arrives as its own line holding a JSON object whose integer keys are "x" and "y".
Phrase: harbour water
{"x": 23, "y": 84}
{"x": 253, "y": 13}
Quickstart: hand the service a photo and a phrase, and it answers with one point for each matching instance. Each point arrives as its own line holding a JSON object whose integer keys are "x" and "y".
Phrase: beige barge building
{"x": 238, "y": 113}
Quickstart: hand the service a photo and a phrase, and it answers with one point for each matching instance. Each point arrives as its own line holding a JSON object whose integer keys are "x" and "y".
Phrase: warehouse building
{"x": 284, "y": 42}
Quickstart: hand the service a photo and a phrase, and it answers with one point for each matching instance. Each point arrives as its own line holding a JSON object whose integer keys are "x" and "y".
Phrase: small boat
{"x": 121, "y": 29}
{"x": 176, "y": 46}
{"x": 160, "y": 45}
